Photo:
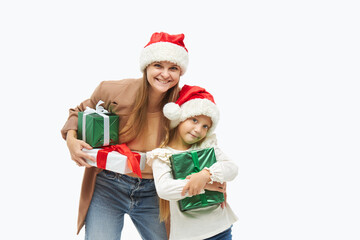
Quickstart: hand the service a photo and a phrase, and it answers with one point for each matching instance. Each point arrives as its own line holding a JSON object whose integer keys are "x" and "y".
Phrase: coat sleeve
{"x": 71, "y": 123}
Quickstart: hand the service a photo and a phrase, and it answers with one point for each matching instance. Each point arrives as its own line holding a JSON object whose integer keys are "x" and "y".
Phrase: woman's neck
{"x": 154, "y": 101}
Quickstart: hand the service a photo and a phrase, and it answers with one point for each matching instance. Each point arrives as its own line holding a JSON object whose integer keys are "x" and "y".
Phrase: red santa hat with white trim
{"x": 165, "y": 47}
{"x": 193, "y": 101}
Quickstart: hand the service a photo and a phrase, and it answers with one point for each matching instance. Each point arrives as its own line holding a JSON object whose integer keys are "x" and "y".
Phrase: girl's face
{"x": 194, "y": 129}
{"x": 163, "y": 75}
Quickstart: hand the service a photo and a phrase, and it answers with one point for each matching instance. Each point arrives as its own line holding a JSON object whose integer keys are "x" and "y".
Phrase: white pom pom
{"x": 172, "y": 111}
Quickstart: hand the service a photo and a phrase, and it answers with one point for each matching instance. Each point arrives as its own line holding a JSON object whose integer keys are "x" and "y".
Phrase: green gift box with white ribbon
{"x": 186, "y": 163}
{"x": 98, "y": 127}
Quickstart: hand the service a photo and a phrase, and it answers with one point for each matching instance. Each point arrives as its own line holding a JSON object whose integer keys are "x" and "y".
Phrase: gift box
{"x": 117, "y": 158}
{"x": 98, "y": 127}
{"x": 187, "y": 163}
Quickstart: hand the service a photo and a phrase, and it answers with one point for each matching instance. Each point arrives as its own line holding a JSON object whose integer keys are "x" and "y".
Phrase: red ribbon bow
{"x": 133, "y": 159}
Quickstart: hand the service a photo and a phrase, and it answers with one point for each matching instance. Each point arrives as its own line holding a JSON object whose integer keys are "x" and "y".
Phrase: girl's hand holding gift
{"x": 197, "y": 183}
{"x": 216, "y": 186}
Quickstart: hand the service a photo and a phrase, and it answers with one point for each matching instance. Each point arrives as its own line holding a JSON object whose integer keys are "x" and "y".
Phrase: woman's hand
{"x": 197, "y": 183}
{"x": 75, "y": 148}
{"x": 223, "y": 204}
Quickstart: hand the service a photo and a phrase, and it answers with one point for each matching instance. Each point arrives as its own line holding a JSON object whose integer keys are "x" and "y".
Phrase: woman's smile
{"x": 163, "y": 75}
{"x": 163, "y": 81}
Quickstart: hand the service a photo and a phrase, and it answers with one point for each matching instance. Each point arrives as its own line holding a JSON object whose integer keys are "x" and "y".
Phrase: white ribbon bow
{"x": 99, "y": 110}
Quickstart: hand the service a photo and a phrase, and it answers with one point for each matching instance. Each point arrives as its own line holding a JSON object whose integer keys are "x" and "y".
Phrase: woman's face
{"x": 194, "y": 129}
{"x": 163, "y": 75}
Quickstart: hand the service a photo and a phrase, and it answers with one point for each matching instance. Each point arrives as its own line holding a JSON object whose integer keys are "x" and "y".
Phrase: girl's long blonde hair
{"x": 164, "y": 205}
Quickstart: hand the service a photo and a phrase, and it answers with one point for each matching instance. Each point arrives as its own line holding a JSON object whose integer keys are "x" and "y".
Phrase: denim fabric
{"x": 117, "y": 194}
{"x": 225, "y": 235}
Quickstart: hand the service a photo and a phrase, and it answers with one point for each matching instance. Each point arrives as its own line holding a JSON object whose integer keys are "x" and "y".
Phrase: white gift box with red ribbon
{"x": 111, "y": 159}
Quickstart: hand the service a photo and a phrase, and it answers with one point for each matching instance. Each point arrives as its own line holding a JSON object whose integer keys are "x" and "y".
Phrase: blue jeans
{"x": 225, "y": 235}
{"x": 116, "y": 194}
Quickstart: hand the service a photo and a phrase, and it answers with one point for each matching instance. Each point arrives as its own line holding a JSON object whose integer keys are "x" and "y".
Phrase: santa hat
{"x": 165, "y": 47}
{"x": 193, "y": 101}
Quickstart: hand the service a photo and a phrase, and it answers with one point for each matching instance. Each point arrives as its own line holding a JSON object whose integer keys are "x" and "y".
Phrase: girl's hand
{"x": 216, "y": 186}
{"x": 75, "y": 146}
{"x": 197, "y": 183}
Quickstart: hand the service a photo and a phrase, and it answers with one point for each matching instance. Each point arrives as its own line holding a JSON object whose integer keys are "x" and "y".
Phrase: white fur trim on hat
{"x": 164, "y": 51}
{"x": 172, "y": 111}
{"x": 192, "y": 108}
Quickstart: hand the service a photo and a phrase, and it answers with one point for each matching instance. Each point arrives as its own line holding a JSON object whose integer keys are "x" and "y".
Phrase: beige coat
{"x": 119, "y": 96}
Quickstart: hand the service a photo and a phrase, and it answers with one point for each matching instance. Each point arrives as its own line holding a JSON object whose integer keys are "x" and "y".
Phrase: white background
{"x": 284, "y": 74}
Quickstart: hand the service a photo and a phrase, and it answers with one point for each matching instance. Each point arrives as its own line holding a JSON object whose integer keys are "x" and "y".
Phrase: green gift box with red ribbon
{"x": 187, "y": 163}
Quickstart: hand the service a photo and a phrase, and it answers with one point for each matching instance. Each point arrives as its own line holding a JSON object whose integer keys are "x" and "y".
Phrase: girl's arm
{"x": 216, "y": 186}
{"x": 167, "y": 187}
{"x": 197, "y": 182}
{"x": 224, "y": 170}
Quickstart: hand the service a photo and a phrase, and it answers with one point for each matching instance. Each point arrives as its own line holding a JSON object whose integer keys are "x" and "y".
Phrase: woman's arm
{"x": 69, "y": 131}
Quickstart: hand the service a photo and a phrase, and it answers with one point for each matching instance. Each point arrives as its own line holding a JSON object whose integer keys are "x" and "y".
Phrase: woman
{"x": 106, "y": 196}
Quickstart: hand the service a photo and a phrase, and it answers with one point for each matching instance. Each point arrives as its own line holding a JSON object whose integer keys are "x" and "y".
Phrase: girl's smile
{"x": 194, "y": 136}
{"x": 192, "y": 130}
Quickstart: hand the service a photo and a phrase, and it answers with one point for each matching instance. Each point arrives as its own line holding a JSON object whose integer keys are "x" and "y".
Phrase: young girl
{"x": 193, "y": 119}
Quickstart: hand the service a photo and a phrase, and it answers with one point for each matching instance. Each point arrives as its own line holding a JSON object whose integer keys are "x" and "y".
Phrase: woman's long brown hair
{"x": 138, "y": 120}
{"x": 138, "y": 117}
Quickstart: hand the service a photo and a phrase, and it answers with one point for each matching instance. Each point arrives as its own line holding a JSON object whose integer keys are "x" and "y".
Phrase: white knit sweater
{"x": 196, "y": 223}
